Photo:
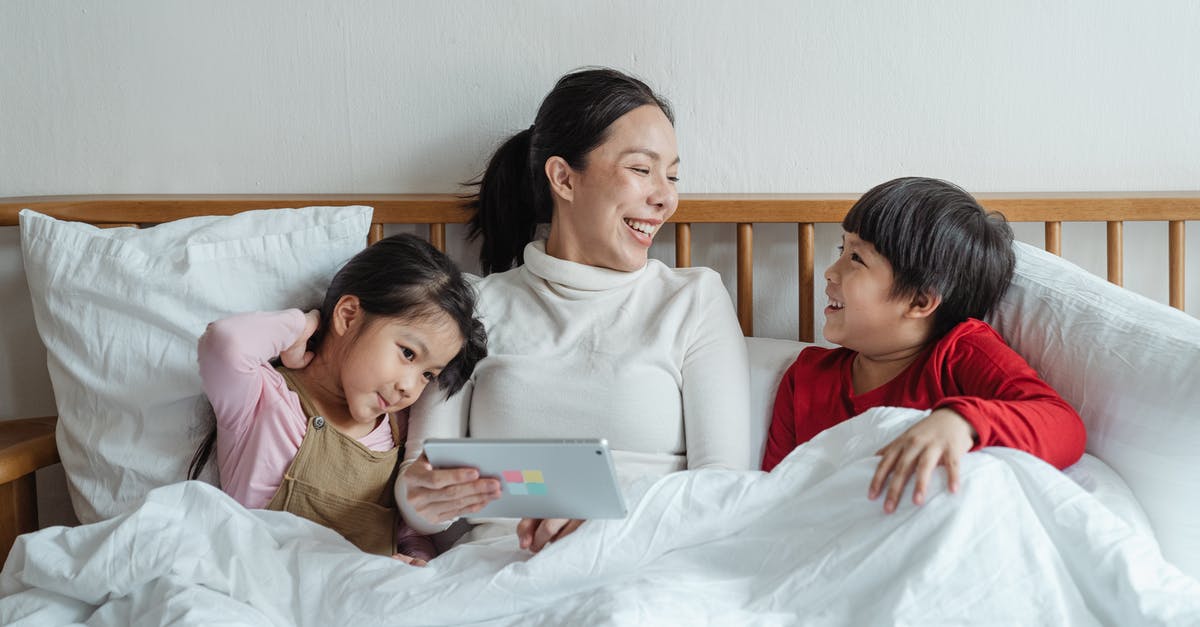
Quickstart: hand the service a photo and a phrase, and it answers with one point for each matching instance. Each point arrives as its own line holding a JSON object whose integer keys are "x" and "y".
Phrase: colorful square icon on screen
{"x": 525, "y": 482}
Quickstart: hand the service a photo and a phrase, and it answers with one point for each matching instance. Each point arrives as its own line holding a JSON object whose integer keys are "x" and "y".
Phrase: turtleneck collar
{"x": 576, "y": 276}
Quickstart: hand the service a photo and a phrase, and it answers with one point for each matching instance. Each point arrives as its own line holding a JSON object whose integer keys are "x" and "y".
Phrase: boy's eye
{"x": 855, "y": 257}
{"x": 841, "y": 249}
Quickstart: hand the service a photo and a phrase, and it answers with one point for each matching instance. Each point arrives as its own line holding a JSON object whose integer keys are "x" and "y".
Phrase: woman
{"x": 587, "y": 337}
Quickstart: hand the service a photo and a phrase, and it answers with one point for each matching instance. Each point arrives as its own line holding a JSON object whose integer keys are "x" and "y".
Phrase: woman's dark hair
{"x": 514, "y": 194}
{"x": 401, "y": 276}
{"x": 940, "y": 241}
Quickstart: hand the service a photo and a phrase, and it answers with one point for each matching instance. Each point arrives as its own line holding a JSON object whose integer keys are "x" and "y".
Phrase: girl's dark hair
{"x": 514, "y": 194}
{"x": 939, "y": 241}
{"x": 401, "y": 276}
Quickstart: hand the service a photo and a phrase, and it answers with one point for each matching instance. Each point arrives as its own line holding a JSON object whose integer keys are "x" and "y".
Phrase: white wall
{"x": 771, "y": 96}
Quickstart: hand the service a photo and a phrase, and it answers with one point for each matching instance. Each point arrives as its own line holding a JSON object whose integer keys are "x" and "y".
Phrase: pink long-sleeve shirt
{"x": 260, "y": 423}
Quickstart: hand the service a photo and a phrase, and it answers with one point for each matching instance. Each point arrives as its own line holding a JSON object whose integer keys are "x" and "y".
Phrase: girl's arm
{"x": 233, "y": 355}
{"x": 716, "y": 383}
{"x": 414, "y": 544}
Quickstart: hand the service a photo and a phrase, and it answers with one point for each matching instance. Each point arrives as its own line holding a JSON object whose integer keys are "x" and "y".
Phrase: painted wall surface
{"x": 770, "y": 96}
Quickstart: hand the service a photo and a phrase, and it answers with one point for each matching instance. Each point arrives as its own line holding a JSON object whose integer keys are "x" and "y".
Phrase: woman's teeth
{"x": 642, "y": 227}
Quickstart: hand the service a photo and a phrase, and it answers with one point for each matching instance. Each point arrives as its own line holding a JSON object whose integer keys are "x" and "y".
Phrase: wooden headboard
{"x": 741, "y": 210}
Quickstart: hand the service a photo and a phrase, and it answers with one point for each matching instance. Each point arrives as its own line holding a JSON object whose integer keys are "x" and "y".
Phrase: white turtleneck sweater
{"x": 652, "y": 360}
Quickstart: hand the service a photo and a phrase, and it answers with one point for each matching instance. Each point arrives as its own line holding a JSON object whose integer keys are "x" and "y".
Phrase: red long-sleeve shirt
{"x": 970, "y": 370}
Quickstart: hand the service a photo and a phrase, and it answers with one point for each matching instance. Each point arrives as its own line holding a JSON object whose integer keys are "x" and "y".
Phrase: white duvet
{"x": 1019, "y": 544}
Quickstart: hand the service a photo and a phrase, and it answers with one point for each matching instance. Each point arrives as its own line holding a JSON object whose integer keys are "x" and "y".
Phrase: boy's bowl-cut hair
{"x": 940, "y": 241}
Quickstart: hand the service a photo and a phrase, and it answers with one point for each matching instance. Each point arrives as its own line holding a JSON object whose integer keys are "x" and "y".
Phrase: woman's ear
{"x": 347, "y": 315}
{"x": 561, "y": 176}
{"x": 923, "y": 305}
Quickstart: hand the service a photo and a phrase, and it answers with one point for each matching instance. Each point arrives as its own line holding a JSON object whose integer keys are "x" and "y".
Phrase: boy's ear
{"x": 347, "y": 314}
{"x": 924, "y": 304}
{"x": 561, "y": 176}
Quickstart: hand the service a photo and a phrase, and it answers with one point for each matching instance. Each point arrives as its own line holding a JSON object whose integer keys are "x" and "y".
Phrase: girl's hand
{"x": 938, "y": 440}
{"x": 297, "y": 355}
{"x": 410, "y": 560}
{"x": 535, "y": 533}
{"x": 446, "y": 493}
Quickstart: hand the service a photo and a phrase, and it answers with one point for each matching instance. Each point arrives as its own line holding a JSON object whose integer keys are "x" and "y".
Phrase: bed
{"x": 1114, "y": 540}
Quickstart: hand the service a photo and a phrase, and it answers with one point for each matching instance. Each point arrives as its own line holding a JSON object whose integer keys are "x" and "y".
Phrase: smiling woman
{"x": 584, "y": 313}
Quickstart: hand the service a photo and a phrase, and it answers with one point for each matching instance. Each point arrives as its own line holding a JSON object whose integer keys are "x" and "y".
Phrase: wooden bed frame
{"x": 28, "y": 444}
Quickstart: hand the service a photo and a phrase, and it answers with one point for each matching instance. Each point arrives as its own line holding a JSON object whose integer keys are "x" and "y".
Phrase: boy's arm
{"x": 781, "y": 437}
{"x": 1008, "y": 404}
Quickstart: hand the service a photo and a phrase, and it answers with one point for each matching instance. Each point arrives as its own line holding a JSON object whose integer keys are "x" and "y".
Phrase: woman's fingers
{"x": 535, "y": 533}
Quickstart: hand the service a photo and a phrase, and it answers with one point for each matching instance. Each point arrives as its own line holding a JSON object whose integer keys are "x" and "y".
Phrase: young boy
{"x": 921, "y": 264}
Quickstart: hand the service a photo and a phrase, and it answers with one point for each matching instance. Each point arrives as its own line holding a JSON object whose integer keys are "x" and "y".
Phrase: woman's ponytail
{"x": 506, "y": 206}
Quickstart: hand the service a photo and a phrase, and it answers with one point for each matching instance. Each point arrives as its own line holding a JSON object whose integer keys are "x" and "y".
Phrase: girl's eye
{"x": 408, "y": 354}
{"x": 429, "y": 376}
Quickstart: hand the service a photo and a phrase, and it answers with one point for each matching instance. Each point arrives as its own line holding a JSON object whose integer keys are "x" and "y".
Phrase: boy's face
{"x": 862, "y": 315}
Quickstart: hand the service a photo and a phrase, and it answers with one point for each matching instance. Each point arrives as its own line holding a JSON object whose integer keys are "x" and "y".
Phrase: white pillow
{"x": 769, "y": 359}
{"x": 120, "y": 311}
{"x": 1131, "y": 367}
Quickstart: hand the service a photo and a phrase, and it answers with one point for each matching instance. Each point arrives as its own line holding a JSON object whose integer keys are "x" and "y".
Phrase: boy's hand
{"x": 297, "y": 355}
{"x": 938, "y": 440}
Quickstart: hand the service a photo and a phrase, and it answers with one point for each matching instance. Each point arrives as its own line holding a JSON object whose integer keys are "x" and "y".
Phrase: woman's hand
{"x": 297, "y": 355}
{"x": 446, "y": 493}
{"x": 938, "y": 440}
{"x": 535, "y": 533}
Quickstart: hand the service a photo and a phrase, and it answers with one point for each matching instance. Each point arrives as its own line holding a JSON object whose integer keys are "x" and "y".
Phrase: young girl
{"x": 921, "y": 264}
{"x": 321, "y": 434}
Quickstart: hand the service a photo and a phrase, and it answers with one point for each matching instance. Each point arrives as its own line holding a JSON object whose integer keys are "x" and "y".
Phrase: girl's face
{"x": 862, "y": 315}
{"x": 608, "y": 213}
{"x": 390, "y": 361}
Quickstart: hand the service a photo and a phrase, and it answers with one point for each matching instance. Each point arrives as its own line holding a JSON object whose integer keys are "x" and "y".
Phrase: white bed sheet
{"x": 1020, "y": 544}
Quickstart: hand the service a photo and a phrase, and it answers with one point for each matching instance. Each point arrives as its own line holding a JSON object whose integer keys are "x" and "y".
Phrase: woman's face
{"x": 622, "y": 197}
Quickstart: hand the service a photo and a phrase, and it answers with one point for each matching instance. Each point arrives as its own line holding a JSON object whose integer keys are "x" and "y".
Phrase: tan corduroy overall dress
{"x": 337, "y": 482}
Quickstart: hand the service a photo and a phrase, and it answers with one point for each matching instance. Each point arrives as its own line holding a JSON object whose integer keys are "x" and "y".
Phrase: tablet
{"x": 538, "y": 478}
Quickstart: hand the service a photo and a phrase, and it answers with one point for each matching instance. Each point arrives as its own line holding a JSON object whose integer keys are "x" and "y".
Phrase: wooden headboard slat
{"x": 1176, "y": 239}
{"x": 1116, "y": 247}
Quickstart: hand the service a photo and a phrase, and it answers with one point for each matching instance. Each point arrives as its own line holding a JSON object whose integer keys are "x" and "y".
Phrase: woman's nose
{"x": 664, "y": 194}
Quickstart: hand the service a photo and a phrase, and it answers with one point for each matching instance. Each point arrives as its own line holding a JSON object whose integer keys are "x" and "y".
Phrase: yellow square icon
{"x": 533, "y": 476}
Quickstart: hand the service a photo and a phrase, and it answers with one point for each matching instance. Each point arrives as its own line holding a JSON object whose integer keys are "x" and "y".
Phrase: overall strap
{"x": 306, "y": 404}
